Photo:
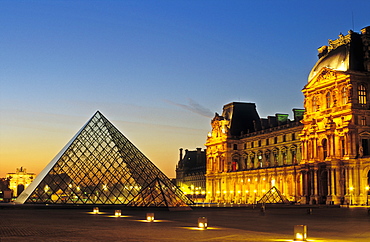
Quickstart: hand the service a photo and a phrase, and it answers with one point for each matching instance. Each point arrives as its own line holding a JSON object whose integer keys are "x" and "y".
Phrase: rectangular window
{"x": 362, "y": 94}
{"x": 365, "y": 147}
{"x": 267, "y": 141}
{"x": 363, "y": 121}
{"x": 252, "y": 144}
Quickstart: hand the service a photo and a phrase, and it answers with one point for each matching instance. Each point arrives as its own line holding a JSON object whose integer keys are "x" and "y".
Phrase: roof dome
{"x": 337, "y": 59}
{"x": 347, "y": 53}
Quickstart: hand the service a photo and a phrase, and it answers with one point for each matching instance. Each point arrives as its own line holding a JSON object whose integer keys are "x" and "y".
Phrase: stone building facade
{"x": 320, "y": 156}
{"x": 247, "y": 155}
{"x": 190, "y": 174}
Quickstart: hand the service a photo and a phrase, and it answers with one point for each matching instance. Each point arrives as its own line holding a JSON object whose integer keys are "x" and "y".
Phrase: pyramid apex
{"x": 98, "y": 113}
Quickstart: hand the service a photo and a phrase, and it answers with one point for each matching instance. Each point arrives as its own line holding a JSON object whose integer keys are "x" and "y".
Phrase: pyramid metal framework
{"x": 273, "y": 196}
{"x": 101, "y": 166}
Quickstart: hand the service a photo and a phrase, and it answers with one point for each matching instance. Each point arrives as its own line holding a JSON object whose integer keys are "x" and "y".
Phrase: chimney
{"x": 298, "y": 114}
{"x": 180, "y": 153}
{"x": 199, "y": 156}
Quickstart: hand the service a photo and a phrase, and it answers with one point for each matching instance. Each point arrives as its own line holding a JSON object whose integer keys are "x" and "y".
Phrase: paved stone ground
{"x": 19, "y": 223}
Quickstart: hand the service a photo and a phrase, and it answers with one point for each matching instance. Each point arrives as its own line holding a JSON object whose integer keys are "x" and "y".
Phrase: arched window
{"x": 328, "y": 100}
{"x": 259, "y": 157}
{"x": 293, "y": 151}
{"x": 324, "y": 148}
{"x": 235, "y": 165}
{"x": 251, "y": 158}
{"x": 267, "y": 158}
{"x": 245, "y": 162}
{"x": 344, "y": 96}
{"x": 221, "y": 164}
{"x": 314, "y": 104}
{"x": 362, "y": 94}
{"x": 284, "y": 155}
{"x": 275, "y": 153}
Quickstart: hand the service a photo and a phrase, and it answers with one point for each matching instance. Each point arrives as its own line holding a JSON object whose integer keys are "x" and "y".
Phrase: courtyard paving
{"x": 42, "y": 223}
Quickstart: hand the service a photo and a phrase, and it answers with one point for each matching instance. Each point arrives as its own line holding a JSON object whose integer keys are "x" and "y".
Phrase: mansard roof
{"x": 193, "y": 161}
{"x": 243, "y": 118}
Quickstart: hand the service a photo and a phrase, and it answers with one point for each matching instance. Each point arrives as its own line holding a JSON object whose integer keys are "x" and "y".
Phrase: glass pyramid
{"x": 101, "y": 166}
{"x": 274, "y": 196}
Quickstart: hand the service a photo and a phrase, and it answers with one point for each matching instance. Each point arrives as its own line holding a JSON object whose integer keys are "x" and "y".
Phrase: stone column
{"x": 349, "y": 144}
{"x": 329, "y": 146}
{"x": 329, "y": 184}
{"x": 333, "y": 145}
{"x": 333, "y": 182}
{"x": 304, "y": 187}
{"x": 304, "y": 150}
{"x": 314, "y": 188}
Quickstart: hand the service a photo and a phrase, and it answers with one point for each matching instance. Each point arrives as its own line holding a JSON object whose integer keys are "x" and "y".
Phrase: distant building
{"x": 190, "y": 173}
{"x": 19, "y": 180}
{"x": 321, "y": 156}
{"x": 5, "y": 192}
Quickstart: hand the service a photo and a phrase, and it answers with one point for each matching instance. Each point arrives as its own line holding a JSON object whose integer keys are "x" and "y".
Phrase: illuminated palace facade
{"x": 320, "y": 156}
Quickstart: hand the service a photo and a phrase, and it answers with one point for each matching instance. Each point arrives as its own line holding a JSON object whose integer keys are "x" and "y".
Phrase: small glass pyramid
{"x": 101, "y": 166}
{"x": 274, "y": 196}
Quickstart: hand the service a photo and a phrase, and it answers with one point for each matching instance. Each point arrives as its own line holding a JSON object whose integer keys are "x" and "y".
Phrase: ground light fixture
{"x": 95, "y": 210}
{"x": 300, "y": 233}
{"x": 202, "y": 222}
{"x": 150, "y": 217}
{"x": 117, "y": 213}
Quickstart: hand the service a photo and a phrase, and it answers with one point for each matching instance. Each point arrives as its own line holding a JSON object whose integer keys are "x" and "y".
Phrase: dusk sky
{"x": 158, "y": 70}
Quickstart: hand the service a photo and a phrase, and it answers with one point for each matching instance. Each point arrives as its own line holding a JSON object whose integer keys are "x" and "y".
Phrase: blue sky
{"x": 159, "y": 70}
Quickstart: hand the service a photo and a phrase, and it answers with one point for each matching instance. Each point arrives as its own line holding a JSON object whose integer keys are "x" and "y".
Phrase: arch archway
{"x": 322, "y": 184}
{"x": 20, "y": 189}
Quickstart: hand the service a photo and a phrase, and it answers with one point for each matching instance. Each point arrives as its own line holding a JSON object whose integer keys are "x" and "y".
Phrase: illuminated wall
{"x": 241, "y": 169}
{"x": 336, "y": 134}
{"x": 321, "y": 157}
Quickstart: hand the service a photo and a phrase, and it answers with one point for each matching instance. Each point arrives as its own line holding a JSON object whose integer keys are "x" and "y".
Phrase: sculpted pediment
{"x": 364, "y": 134}
{"x": 324, "y": 76}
